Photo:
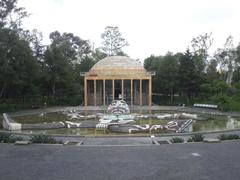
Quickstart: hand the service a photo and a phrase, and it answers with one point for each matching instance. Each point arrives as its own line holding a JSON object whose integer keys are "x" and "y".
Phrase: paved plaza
{"x": 198, "y": 161}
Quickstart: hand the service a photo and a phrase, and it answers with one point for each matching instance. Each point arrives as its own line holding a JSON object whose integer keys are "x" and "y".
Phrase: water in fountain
{"x": 119, "y": 119}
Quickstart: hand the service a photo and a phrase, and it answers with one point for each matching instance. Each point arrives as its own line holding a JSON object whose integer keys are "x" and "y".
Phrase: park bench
{"x": 209, "y": 106}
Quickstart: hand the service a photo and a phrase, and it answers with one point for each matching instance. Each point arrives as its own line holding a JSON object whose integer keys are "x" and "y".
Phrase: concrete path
{"x": 198, "y": 161}
{"x": 108, "y": 141}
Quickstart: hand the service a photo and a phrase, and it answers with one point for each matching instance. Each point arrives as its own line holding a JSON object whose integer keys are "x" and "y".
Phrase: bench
{"x": 210, "y": 106}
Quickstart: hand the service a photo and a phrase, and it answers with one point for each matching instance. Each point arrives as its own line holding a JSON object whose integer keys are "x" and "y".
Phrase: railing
{"x": 185, "y": 126}
{"x": 82, "y": 73}
{"x": 212, "y": 106}
{"x": 152, "y": 73}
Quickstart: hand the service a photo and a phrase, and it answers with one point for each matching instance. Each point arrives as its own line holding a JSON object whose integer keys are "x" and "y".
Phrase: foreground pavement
{"x": 198, "y": 161}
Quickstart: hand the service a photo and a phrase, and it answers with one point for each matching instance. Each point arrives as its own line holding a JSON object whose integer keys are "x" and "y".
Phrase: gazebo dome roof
{"x": 118, "y": 66}
{"x": 117, "y": 62}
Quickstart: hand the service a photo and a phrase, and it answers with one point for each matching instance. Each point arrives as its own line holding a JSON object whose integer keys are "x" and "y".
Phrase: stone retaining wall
{"x": 9, "y": 124}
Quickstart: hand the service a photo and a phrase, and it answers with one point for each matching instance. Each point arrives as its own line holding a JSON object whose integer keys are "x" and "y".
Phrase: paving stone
{"x": 211, "y": 140}
{"x": 22, "y": 142}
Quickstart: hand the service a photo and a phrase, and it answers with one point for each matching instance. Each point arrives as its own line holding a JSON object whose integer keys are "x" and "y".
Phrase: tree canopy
{"x": 113, "y": 42}
{"x": 33, "y": 72}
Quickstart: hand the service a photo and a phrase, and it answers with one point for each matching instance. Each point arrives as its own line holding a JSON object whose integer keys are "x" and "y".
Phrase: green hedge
{"x": 228, "y": 137}
{"x": 44, "y": 139}
{"x": 177, "y": 140}
{"x": 9, "y": 138}
{"x": 196, "y": 138}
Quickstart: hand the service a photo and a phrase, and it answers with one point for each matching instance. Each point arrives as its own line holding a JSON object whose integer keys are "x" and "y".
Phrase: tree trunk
{"x": 53, "y": 88}
{"x": 2, "y": 90}
{"x": 171, "y": 95}
{"x": 229, "y": 77}
{"x": 171, "y": 98}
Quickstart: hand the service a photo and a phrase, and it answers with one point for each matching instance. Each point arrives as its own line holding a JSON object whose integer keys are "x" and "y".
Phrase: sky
{"x": 150, "y": 26}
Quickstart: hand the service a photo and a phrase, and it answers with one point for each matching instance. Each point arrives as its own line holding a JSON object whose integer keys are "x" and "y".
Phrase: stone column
{"x": 122, "y": 89}
{"x": 113, "y": 93}
{"x": 131, "y": 92}
{"x": 95, "y": 93}
{"x": 150, "y": 91}
{"x": 140, "y": 92}
{"x": 104, "y": 95}
{"x": 85, "y": 91}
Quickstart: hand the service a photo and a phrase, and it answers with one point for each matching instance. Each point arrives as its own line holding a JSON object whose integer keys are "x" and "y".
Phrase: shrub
{"x": 228, "y": 137}
{"x": 226, "y": 102}
{"x": 177, "y": 140}
{"x": 44, "y": 139}
{"x": 4, "y": 137}
{"x": 9, "y": 138}
{"x": 197, "y": 137}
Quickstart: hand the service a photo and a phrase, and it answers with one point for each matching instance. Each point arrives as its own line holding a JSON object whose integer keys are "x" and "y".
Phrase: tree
{"x": 85, "y": 65}
{"x": 212, "y": 73}
{"x": 113, "y": 41}
{"x": 61, "y": 59}
{"x": 73, "y": 48}
{"x": 236, "y": 76}
{"x": 238, "y": 55}
{"x": 18, "y": 67}
{"x": 227, "y": 58}
{"x": 35, "y": 39}
{"x": 168, "y": 73}
{"x": 152, "y": 63}
{"x": 97, "y": 54}
{"x": 165, "y": 81}
{"x": 188, "y": 76}
{"x": 200, "y": 46}
{"x": 10, "y": 15}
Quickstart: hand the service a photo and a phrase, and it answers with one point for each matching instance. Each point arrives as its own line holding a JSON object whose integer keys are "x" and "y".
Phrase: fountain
{"x": 118, "y": 119}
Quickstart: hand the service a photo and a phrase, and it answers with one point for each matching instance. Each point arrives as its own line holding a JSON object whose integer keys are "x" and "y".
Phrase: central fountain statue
{"x": 119, "y": 119}
{"x": 117, "y": 113}
{"x": 118, "y": 107}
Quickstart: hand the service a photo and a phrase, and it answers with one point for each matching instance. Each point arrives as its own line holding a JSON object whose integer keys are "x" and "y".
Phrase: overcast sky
{"x": 150, "y": 26}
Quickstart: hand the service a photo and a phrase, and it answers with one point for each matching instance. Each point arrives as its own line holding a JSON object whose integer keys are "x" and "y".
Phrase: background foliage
{"x": 33, "y": 74}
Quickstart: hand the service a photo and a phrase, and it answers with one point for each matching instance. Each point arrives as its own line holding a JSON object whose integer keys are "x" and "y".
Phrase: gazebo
{"x": 115, "y": 78}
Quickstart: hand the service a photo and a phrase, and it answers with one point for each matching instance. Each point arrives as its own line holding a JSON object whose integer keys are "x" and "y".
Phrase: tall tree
{"x": 113, "y": 42}
{"x": 227, "y": 58}
{"x": 10, "y": 15}
{"x": 18, "y": 66}
{"x": 236, "y": 76}
{"x": 38, "y": 48}
{"x": 238, "y": 55}
{"x": 60, "y": 61}
{"x": 97, "y": 54}
{"x": 188, "y": 77}
{"x": 200, "y": 46}
{"x": 150, "y": 63}
{"x": 168, "y": 73}
{"x": 165, "y": 81}
{"x": 212, "y": 72}
{"x": 85, "y": 65}
{"x": 73, "y": 47}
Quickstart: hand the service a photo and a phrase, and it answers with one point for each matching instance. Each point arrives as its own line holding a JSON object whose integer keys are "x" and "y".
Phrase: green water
{"x": 207, "y": 123}
{"x": 216, "y": 125}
